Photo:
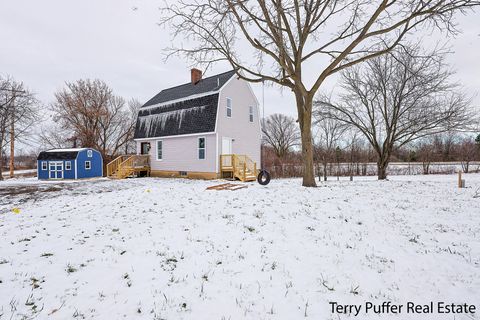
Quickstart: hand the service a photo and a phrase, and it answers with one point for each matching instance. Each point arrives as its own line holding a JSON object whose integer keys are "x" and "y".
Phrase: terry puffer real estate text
{"x": 387, "y": 307}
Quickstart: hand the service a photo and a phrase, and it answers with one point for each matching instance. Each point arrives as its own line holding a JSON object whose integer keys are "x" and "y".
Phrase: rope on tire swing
{"x": 263, "y": 177}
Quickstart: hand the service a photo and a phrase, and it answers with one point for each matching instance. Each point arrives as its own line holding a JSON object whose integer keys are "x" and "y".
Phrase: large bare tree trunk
{"x": 304, "y": 107}
{"x": 381, "y": 171}
{"x": 382, "y": 164}
{"x": 325, "y": 163}
{"x": 1, "y": 162}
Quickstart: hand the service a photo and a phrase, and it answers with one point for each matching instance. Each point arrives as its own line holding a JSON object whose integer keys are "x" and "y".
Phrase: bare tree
{"x": 398, "y": 98}
{"x": 88, "y": 114}
{"x": 133, "y": 108}
{"x": 329, "y": 132}
{"x": 18, "y": 113}
{"x": 355, "y": 146}
{"x": 289, "y": 37}
{"x": 281, "y": 133}
{"x": 426, "y": 153}
{"x": 467, "y": 152}
{"x": 444, "y": 145}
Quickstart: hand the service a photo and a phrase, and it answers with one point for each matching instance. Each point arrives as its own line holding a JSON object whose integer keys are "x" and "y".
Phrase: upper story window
{"x": 229, "y": 107}
{"x": 44, "y": 165}
{"x": 68, "y": 165}
{"x": 159, "y": 150}
{"x": 250, "y": 113}
{"x": 88, "y": 165}
{"x": 89, "y": 153}
{"x": 201, "y": 148}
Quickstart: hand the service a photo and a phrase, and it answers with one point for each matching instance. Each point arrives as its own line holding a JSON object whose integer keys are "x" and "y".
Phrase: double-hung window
{"x": 159, "y": 150}
{"x": 88, "y": 165}
{"x": 68, "y": 165}
{"x": 44, "y": 165}
{"x": 201, "y": 148}
{"x": 229, "y": 108}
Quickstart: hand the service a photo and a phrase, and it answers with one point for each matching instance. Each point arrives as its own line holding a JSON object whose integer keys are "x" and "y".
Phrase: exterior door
{"x": 145, "y": 148}
{"x": 226, "y": 145}
{"x": 55, "y": 170}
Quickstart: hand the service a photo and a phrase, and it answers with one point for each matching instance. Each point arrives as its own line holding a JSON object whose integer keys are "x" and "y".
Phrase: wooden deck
{"x": 237, "y": 166}
{"x": 129, "y": 166}
{"x": 233, "y": 166}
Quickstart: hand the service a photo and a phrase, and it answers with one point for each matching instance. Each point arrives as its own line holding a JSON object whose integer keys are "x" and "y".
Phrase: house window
{"x": 229, "y": 107}
{"x": 159, "y": 150}
{"x": 68, "y": 165}
{"x": 88, "y": 165}
{"x": 89, "y": 153}
{"x": 201, "y": 148}
{"x": 250, "y": 113}
{"x": 44, "y": 165}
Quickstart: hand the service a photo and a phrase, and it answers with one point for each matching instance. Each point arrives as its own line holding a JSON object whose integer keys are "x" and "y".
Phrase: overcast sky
{"x": 45, "y": 43}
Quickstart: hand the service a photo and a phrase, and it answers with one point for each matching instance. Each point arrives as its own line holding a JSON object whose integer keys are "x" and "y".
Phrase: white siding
{"x": 246, "y": 134}
{"x": 181, "y": 153}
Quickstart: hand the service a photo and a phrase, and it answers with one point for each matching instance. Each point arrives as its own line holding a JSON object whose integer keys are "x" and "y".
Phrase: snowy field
{"x": 20, "y": 171}
{"x": 168, "y": 249}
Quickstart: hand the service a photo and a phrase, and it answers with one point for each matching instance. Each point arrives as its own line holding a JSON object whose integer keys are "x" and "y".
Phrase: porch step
{"x": 239, "y": 166}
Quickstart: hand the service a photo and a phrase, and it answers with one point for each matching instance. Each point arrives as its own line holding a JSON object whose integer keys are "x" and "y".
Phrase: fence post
{"x": 461, "y": 182}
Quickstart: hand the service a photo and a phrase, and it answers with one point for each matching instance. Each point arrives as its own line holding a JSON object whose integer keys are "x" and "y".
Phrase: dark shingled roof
{"x": 205, "y": 85}
{"x": 196, "y": 115}
{"x": 61, "y": 155}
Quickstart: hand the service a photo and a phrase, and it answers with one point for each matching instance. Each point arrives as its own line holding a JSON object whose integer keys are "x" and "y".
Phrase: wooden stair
{"x": 239, "y": 167}
{"x": 128, "y": 166}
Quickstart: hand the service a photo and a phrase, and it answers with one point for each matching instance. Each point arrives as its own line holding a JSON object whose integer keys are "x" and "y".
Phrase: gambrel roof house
{"x": 206, "y": 128}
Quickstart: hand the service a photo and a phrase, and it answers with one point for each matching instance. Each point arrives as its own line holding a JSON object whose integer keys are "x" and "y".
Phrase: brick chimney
{"x": 196, "y": 75}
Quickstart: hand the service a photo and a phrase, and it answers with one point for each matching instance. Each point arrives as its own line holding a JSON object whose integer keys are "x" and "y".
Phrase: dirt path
{"x": 21, "y": 193}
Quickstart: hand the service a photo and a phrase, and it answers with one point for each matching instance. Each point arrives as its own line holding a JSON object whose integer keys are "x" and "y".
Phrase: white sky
{"x": 45, "y": 43}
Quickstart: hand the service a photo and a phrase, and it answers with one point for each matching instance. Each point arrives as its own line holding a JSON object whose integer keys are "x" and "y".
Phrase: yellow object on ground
{"x": 16, "y": 210}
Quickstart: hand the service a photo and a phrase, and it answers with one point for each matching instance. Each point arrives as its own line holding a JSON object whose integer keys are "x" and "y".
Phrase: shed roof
{"x": 60, "y": 154}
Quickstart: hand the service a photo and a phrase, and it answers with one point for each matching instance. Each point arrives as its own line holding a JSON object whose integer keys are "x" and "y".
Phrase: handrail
{"x": 241, "y": 165}
{"x": 124, "y": 165}
{"x": 112, "y": 166}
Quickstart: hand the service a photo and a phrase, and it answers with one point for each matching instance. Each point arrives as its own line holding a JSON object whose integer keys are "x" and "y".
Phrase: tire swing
{"x": 263, "y": 177}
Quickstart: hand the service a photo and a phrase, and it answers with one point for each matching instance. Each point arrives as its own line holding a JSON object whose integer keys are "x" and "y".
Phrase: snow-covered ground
{"x": 20, "y": 173}
{"x": 169, "y": 249}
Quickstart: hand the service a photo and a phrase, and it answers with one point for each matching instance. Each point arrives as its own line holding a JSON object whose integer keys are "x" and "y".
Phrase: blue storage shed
{"x": 77, "y": 163}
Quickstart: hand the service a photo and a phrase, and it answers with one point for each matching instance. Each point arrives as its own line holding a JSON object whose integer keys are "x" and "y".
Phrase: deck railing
{"x": 125, "y": 165}
{"x": 241, "y": 166}
{"x": 113, "y": 165}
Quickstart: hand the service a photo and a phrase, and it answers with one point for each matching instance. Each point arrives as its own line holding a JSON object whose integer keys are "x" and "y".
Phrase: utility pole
{"x": 12, "y": 139}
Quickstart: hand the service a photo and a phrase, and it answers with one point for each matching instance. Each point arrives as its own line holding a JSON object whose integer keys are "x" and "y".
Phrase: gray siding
{"x": 181, "y": 153}
{"x": 246, "y": 134}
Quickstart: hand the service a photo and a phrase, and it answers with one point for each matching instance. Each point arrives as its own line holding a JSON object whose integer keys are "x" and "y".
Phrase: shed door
{"x": 226, "y": 145}
{"x": 55, "y": 170}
